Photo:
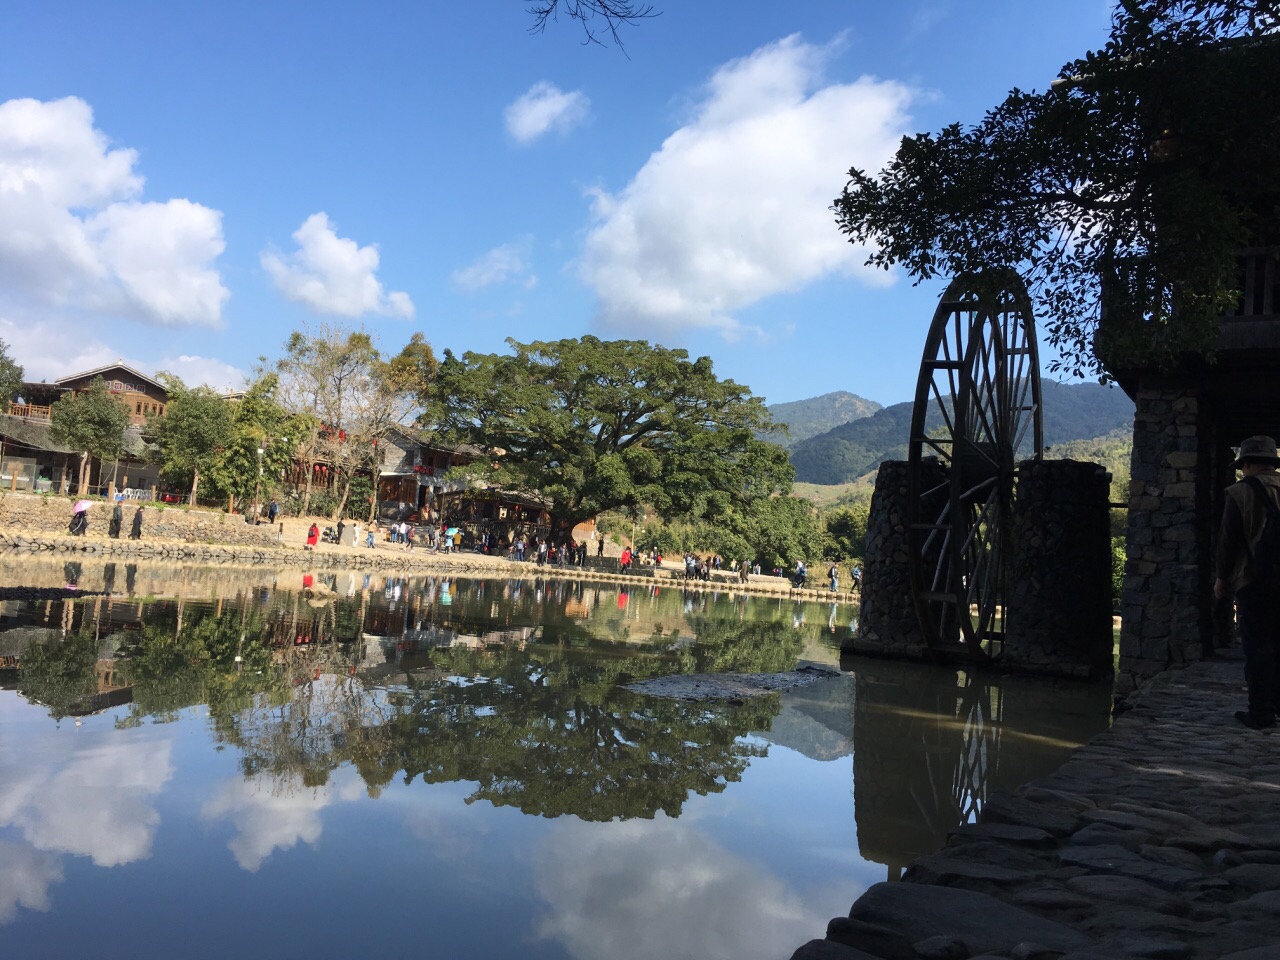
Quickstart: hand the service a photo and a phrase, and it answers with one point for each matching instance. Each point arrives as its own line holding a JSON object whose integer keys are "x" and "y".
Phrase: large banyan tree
{"x": 1127, "y": 190}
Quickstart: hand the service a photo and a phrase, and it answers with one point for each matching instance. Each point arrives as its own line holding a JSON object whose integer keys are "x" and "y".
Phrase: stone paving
{"x": 1158, "y": 839}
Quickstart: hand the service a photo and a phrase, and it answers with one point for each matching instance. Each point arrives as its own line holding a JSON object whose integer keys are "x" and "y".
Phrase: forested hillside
{"x": 808, "y": 418}
{"x": 1071, "y": 412}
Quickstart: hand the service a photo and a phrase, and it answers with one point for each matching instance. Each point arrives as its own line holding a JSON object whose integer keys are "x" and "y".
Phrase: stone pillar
{"x": 888, "y": 625}
{"x": 1163, "y": 585}
{"x": 1058, "y": 604}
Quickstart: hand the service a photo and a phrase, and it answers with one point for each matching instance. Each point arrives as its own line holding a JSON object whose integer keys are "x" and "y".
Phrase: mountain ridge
{"x": 1072, "y": 412}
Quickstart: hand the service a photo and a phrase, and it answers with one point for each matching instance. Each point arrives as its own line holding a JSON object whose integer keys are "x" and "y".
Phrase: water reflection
{"x": 931, "y": 745}
{"x": 459, "y": 705}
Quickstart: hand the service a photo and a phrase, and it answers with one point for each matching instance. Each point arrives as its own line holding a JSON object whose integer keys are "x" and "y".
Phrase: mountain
{"x": 808, "y": 418}
{"x": 1072, "y": 411}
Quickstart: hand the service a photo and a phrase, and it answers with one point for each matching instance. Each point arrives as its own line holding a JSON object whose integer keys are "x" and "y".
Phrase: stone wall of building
{"x": 1165, "y": 577}
{"x": 1059, "y": 592}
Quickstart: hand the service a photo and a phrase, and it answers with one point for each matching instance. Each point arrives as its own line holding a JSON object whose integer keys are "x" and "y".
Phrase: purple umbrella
{"x": 81, "y": 506}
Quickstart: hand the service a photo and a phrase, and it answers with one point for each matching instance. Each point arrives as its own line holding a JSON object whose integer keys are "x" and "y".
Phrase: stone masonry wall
{"x": 32, "y": 514}
{"x": 1163, "y": 580}
{"x": 1059, "y": 593}
{"x": 888, "y": 624}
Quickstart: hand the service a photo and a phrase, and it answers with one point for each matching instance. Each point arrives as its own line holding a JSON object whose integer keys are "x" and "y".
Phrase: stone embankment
{"x": 1158, "y": 839}
{"x": 38, "y": 524}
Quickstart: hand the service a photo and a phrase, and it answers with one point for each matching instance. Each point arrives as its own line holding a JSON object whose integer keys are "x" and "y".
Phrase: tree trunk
{"x": 342, "y": 501}
{"x": 306, "y": 490}
{"x": 195, "y": 484}
{"x": 82, "y": 483}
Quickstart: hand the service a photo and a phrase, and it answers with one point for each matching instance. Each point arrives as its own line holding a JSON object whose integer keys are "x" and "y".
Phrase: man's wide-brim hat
{"x": 1257, "y": 449}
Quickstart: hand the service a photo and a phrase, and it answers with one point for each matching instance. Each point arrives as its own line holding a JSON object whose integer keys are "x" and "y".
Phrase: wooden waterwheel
{"x": 977, "y": 414}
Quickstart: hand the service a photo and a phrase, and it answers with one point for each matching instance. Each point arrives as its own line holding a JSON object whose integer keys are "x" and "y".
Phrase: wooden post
{"x": 111, "y": 491}
{"x": 13, "y": 476}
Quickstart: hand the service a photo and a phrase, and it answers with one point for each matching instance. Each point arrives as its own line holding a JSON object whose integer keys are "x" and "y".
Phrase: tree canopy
{"x": 92, "y": 421}
{"x": 593, "y": 425}
{"x": 10, "y": 376}
{"x": 193, "y": 433}
{"x": 1128, "y": 188}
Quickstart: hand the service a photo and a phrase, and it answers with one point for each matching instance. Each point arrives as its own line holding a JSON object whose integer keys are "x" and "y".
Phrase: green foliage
{"x": 193, "y": 433}
{"x": 595, "y": 425}
{"x": 92, "y": 421}
{"x": 1119, "y": 556}
{"x": 257, "y": 422}
{"x": 11, "y": 376}
{"x": 1149, "y": 167}
{"x": 847, "y": 528}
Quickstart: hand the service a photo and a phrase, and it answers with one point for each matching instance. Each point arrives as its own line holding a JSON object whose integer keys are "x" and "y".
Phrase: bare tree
{"x": 597, "y": 17}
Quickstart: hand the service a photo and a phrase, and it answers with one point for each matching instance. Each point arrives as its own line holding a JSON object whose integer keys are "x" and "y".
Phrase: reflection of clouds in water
{"x": 271, "y": 815}
{"x": 25, "y": 876}
{"x": 645, "y": 889}
{"x": 445, "y": 827}
{"x": 96, "y": 805}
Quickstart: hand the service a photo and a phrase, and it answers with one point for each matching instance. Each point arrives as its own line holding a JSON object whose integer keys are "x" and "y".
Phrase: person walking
{"x": 1248, "y": 511}
{"x": 833, "y": 575}
{"x": 117, "y": 520}
{"x": 313, "y": 536}
{"x": 273, "y": 511}
{"x": 135, "y": 532}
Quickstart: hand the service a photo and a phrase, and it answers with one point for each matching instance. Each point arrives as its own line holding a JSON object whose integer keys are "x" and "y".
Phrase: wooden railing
{"x": 28, "y": 410}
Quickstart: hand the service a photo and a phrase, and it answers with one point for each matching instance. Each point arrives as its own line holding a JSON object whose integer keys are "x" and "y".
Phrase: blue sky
{"x": 183, "y": 184}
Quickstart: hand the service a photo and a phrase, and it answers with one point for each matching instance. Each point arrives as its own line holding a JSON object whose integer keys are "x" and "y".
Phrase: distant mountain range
{"x": 808, "y": 418}
{"x": 1076, "y": 411}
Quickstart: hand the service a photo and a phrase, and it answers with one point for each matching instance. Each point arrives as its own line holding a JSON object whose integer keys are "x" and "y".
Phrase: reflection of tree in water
{"x": 551, "y": 733}
{"x": 931, "y": 745}
{"x": 542, "y": 725}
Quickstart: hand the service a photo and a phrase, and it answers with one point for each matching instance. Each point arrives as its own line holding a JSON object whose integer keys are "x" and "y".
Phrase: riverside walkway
{"x": 1158, "y": 839}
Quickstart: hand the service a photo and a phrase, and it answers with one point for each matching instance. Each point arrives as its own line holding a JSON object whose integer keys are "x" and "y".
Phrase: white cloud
{"x": 25, "y": 877}
{"x": 95, "y": 805}
{"x": 658, "y": 888}
{"x": 735, "y": 206}
{"x": 542, "y": 108}
{"x": 333, "y": 275}
{"x": 207, "y": 371}
{"x": 507, "y": 263}
{"x": 270, "y": 816}
{"x": 75, "y": 233}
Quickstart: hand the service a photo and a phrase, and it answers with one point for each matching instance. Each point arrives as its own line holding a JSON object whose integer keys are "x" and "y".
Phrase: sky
{"x": 182, "y": 185}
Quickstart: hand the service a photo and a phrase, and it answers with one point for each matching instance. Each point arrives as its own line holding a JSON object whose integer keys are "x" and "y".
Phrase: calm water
{"x": 452, "y": 768}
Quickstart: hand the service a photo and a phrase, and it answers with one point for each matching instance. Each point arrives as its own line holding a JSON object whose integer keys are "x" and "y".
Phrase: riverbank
{"x": 382, "y": 556}
{"x": 1158, "y": 839}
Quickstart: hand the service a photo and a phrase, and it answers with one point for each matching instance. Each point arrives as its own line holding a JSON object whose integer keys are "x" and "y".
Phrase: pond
{"x": 215, "y": 762}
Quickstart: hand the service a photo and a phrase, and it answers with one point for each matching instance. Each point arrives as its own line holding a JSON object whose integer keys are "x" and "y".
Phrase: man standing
{"x": 1257, "y": 603}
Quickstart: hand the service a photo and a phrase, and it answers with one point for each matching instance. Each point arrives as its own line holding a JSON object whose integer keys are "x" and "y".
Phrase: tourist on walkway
{"x": 373, "y": 533}
{"x": 833, "y": 575}
{"x": 273, "y": 511}
{"x": 1257, "y": 602}
{"x": 313, "y": 537}
{"x": 624, "y": 561}
{"x": 117, "y": 520}
{"x": 135, "y": 532}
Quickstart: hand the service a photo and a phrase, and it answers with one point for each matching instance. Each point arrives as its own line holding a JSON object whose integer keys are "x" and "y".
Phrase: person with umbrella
{"x": 79, "y": 524}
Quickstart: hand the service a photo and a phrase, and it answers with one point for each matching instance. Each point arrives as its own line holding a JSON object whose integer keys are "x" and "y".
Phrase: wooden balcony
{"x": 29, "y": 411}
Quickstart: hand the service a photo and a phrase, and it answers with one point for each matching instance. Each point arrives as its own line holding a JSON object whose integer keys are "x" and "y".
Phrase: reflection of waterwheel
{"x": 977, "y": 412}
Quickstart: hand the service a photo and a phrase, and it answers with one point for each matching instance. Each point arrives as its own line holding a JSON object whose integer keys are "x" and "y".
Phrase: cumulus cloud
{"x": 657, "y": 888}
{"x": 272, "y": 816}
{"x": 735, "y": 205}
{"x": 25, "y": 877}
{"x": 333, "y": 275}
{"x": 74, "y": 231}
{"x": 97, "y": 804}
{"x": 505, "y": 264}
{"x": 542, "y": 108}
